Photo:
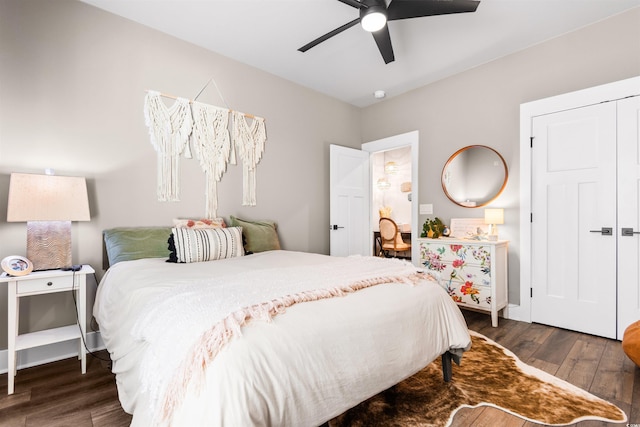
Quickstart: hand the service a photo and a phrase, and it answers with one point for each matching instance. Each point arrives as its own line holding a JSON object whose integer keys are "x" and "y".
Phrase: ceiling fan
{"x": 374, "y": 15}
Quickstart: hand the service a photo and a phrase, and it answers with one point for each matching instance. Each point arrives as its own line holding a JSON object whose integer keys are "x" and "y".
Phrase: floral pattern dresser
{"x": 474, "y": 272}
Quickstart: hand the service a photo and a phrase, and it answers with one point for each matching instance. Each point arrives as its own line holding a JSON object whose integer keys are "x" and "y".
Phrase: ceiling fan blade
{"x": 354, "y": 3}
{"x": 330, "y": 34}
{"x": 404, "y": 9}
{"x": 383, "y": 40}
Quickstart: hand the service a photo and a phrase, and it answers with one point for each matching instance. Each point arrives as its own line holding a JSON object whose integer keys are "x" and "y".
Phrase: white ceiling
{"x": 267, "y": 33}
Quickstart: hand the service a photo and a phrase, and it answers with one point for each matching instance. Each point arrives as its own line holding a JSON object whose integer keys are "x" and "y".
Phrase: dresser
{"x": 474, "y": 272}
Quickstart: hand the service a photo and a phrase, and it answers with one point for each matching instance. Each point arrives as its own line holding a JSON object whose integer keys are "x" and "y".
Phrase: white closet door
{"x": 573, "y": 195}
{"x": 628, "y": 212}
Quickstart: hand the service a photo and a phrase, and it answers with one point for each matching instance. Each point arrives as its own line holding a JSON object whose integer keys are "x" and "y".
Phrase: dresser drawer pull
{"x": 49, "y": 283}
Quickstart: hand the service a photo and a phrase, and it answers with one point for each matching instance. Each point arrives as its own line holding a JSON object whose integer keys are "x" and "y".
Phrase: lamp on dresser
{"x": 493, "y": 217}
{"x": 48, "y": 204}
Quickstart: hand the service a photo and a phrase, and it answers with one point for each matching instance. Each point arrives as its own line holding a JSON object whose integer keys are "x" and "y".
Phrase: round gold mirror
{"x": 474, "y": 176}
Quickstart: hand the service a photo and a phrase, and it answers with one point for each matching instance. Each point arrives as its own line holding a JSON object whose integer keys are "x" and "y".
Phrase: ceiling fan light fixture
{"x": 374, "y": 14}
{"x": 373, "y": 18}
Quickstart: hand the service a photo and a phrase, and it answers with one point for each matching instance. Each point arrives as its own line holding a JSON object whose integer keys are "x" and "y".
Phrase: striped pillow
{"x": 207, "y": 244}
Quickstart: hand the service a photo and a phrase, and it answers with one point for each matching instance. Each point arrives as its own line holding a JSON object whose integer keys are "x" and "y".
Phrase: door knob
{"x": 334, "y": 227}
{"x": 629, "y": 232}
{"x": 605, "y": 231}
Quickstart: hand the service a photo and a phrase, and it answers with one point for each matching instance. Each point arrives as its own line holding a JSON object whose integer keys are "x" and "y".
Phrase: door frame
{"x": 554, "y": 104}
{"x": 397, "y": 141}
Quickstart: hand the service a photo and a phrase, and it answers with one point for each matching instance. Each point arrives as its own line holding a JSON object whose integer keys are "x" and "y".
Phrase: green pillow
{"x": 260, "y": 236}
{"x": 124, "y": 244}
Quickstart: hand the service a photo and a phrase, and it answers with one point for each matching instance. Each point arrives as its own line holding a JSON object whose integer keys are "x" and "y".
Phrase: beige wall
{"x": 72, "y": 82}
{"x": 482, "y": 106}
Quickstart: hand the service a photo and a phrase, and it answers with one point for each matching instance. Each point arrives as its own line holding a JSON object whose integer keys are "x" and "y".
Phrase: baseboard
{"x": 517, "y": 312}
{"x": 50, "y": 353}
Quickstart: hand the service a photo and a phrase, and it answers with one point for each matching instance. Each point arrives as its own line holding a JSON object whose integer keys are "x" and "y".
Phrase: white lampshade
{"x": 47, "y": 198}
{"x": 48, "y": 204}
{"x": 494, "y": 216}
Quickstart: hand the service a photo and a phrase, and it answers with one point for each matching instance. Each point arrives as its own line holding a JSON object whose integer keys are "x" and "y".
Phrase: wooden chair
{"x": 391, "y": 238}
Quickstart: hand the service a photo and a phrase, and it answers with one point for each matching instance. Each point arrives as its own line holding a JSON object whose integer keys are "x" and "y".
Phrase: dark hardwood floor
{"x": 56, "y": 394}
{"x": 595, "y": 364}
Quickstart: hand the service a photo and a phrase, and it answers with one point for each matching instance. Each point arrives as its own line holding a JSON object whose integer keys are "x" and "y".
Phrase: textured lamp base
{"x": 49, "y": 244}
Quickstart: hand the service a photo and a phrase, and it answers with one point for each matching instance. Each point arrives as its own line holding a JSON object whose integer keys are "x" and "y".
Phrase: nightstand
{"x": 39, "y": 283}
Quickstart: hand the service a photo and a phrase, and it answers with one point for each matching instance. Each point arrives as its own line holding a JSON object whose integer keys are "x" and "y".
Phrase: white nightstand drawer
{"x": 45, "y": 284}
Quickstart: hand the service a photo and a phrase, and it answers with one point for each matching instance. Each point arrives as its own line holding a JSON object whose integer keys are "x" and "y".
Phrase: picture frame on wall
{"x": 16, "y": 265}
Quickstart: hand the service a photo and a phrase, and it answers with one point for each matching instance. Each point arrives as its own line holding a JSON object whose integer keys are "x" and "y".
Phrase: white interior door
{"x": 573, "y": 277}
{"x": 628, "y": 212}
{"x": 349, "y": 201}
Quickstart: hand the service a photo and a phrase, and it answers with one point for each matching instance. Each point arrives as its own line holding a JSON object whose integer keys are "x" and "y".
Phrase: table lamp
{"x": 48, "y": 203}
{"x": 493, "y": 217}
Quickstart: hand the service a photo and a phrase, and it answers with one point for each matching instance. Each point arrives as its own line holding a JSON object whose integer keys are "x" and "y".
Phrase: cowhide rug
{"x": 490, "y": 375}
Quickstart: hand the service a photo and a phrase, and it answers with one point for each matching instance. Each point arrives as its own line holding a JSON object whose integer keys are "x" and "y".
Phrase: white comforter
{"x": 306, "y": 366}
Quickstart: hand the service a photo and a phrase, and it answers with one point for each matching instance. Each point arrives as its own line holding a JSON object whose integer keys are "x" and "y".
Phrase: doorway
{"x": 403, "y": 150}
{"x": 350, "y": 209}
{"x": 391, "y": 193}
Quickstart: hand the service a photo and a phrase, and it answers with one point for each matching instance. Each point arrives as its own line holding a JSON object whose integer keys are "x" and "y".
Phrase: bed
{"x": 275, "y": 338}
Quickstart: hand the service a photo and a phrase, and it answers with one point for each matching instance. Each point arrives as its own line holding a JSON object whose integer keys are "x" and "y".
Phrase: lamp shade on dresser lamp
{"x": 48, "y": 204}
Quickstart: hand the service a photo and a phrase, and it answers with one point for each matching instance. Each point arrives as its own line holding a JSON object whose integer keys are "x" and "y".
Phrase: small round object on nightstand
{"x": 15, "y": 265}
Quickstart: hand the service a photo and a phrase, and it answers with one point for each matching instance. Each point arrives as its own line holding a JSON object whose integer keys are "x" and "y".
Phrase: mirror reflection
{"x": 474, "y": 176}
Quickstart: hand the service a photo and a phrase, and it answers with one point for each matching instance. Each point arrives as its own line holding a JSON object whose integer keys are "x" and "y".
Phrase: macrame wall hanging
{"x": 214, "y": 144}
{"x": 169, "y": 128}
{"x": 213, "y": 148}
{"x": 249, "y": 141}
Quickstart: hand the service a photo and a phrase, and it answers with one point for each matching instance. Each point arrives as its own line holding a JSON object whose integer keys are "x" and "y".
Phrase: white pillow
{"x": 207, "y": 244}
